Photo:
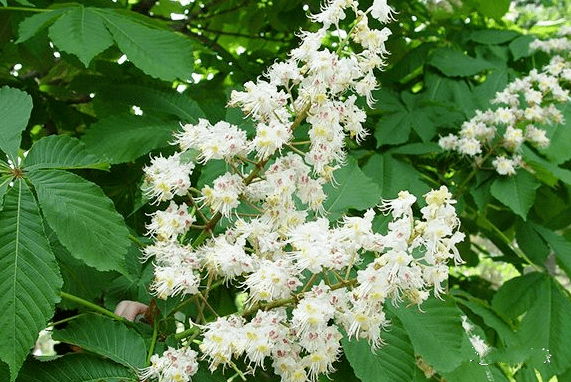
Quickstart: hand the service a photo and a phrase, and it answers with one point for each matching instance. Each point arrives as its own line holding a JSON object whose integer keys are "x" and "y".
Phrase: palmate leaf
{"x": 63, "y": 152}
{"x": 15, "y": 109}
{"x": 76, "y": 368}
{"x": 124, "y": 138}
{"x": 29, "y": 276}
{"x": 393, "y": 362}
{"x": 159, "y": 53}
{"x": 83, "y": 218}
{"x": 105, "y": 337}
{"x": 81, "y": 32}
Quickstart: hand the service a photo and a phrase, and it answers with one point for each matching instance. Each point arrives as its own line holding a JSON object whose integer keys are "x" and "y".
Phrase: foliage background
{"x": 89, "y": 119}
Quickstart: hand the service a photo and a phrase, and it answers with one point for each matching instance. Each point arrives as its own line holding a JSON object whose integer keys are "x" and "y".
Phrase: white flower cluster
{"x": 174, "y": 365}
{"x": 528, "y": 103}
{"x": 304, "y": 340}
{"x": 305, "y": 281}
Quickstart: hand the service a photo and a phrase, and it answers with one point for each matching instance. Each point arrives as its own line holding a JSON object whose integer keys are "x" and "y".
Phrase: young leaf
{"x": 83, "y": 218}
{"x": 63, "y": 152}
{"x": 76, "y": 368}
{"x": 516, "y": 192}
{"x": 158, "y": 53}
{"x": 15, "y": 109}
{"x": 355, "y": 190}
{"x": 395, "y": 361}
{"x": 105, "y": 337}
{"x": 29, "y": 276}
{"x": 436, "y": 332}
{"x": 124, "y": 138}
{"x": 81, "y": 32}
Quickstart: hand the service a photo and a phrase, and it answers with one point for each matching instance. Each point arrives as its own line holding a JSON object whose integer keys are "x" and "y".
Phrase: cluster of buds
{"x": 305, "y": 281}
{"x": 528, "y": 104}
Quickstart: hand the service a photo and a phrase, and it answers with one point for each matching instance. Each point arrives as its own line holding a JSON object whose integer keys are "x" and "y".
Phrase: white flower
{"x": 167, "y": 225}
{"x": 166, "y": 177}
{"x": 381, "y": 11}
{"x": 223, "y": 197}
{"x": 504, "y": 166}
{"x": 175, "y": 365}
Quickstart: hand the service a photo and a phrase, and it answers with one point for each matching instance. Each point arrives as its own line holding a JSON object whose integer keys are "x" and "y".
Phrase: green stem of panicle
{"x": 94, "y": 307}
{"x": 153, "y": 341}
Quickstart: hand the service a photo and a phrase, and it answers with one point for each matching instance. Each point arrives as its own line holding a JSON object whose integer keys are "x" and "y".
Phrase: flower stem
{"x": 153, "y": 341}
{"x": 97, "y": 308}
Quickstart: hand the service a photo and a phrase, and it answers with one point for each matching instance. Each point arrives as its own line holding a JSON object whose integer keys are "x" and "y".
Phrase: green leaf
{"x": 559, "y": 245}
{"x": 159, "y": 53}
{"x": 124, "y": 138}
{"x": 520, "y": 46}
{"x": 394, "y": 361}
{"x": 417, "y": 149}
{"x": 493, "y": 36}
{"x": 76, "y": 368}
{"x": 63, "y": 152}
{"x": 531, "y": 243}
{"x": 489, "y": 317}
{"x": 106, "y": 337}
{"x": 559, "y": 137}
{"x": 15, "y": 109}
{"x": 34, "y": 24}
{"x": 83, "y": 218}
{"x": 494, "y": 9}
{"x": 545, "y": 170}
{"x": 29, "y": 276}
{"x": 170, "y": 103}
{"x": 81, "y": 32}
{"x": 79, "y": 279}
{"x": 436, "y": 332}
{"x": 516, "y": 295}
{"x": 454, "y": 63}
{"x": 547, "y": 321}
{"x": 355, "y": 190}
{"x": 452, "y": 93}
{"x": 4, "y": 183}
{"x": 393, "y": 175}
{"x": 475, "y": 372}
{"x": 392, "y": 129}
{"x": 516, "y": 192}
